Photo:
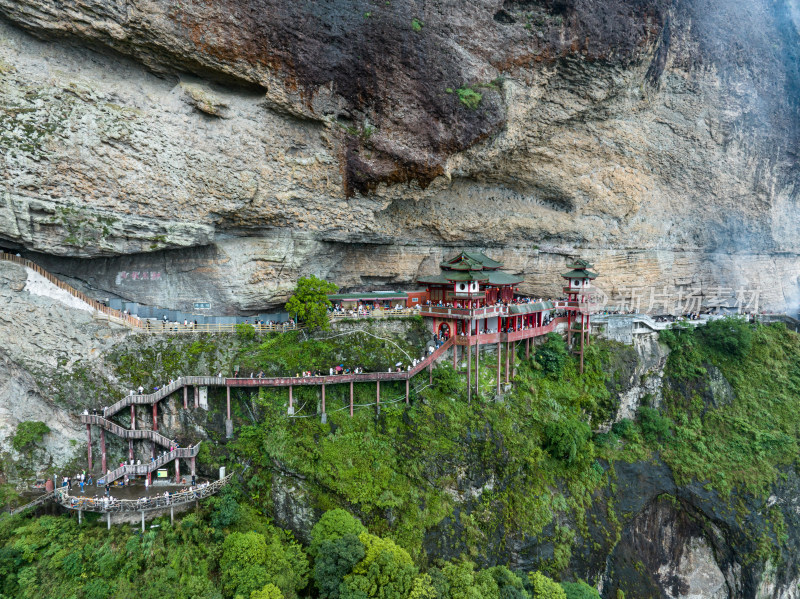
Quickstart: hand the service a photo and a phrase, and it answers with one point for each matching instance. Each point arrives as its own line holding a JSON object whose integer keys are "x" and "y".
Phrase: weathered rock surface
{"x": 44, "y": 338}
{"x": 648, "y": 135}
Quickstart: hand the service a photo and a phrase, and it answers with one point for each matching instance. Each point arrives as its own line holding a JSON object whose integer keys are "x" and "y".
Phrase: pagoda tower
{"x": 579, "y": 305}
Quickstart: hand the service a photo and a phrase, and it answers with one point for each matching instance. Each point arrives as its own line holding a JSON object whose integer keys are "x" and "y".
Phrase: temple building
{"x": 471, "y": 280}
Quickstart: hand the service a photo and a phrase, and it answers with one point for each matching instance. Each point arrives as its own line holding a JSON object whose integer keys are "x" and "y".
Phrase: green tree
{"x": 545, "y": 588}
{"x": 552, "y": 354}
{"x": 250, "y": 561}
{"x": 580, "y": 590}
{"x": 387, "y": 571}
{"x": 509, "y": 584}
{"x": 465, "y": 583}
{"x": 242, "y": 563}
{"x": 333, "y": 525}
{"x": 566, "y": 438}
{"x": 310, "y": 301}
{"x": 732, "y": 336}
{"x": 270, "y": 591}
{"x": 336, "y": 558}
{"x": 29, "y": 433}
{"x": 422, "y": 588}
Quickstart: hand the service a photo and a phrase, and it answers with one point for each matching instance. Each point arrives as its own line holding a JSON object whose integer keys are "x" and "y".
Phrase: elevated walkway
{"x": 149, "y": 467}
{"x": 104, "y": 505}
{"x": 41, "y": 500}
{"x": 156, "y": 396}
{"x": 126, "y": 433}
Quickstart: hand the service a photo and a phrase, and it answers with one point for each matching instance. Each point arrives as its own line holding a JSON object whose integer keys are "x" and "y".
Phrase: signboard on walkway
{"x": 162, "y": 473}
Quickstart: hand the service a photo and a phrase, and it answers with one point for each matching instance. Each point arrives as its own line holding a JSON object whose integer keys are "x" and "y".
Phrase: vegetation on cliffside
{"x": 446, "y": 490}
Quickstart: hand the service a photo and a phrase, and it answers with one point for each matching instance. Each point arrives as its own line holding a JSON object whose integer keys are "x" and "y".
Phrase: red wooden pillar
{"x": 378, "y": 404}
{"x": 155, "y": 416}
{"x": 455, "y": 356}
{"x": 133, "y": 417}
{"x": 103, "y": 449}
{"x": 407, "y": 384}
{"x": 192, "y": 465}
{"x": 323, "y": 398}
{"x": 89, "y": 444}
{"x": 477, "y": 368}
{"x": 228, "y": 389}
{"x": 528, "y": 348}
{"x": 499, "y": 357}
{"x": 508, "y": 358}
{"x": 149, "y": 479}
{"x": 130, "y": 449}
{"x": 185, "y": 397}
{"x": 430, "y": 373}
{"x": 351, "y": 399}
{"x": 291, "y": 401}
{"x": 469, "y": 374}
{"x": 177, "y": 471}
{"x": 197, "y": 397}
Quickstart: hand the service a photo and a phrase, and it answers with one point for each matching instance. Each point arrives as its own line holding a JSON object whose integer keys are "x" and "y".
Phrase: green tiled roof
{"x": 497, "y": 277}
{"x": 580, "y": 274}
{"x": 580, "y": 264}
{"x": 528, "y": 308}
{"x": 369, "y": 295}
{"x": 454, "y": 276}
{"x": 471, "y": 261}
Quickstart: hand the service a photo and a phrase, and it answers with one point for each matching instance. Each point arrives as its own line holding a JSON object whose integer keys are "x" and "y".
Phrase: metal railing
{"x": 126, "y": 433}
{"x": 156, "y": 396}
{"x": 146, "y": 468}
{"x": 159, "y": 327}
{"x": 109, "y": 312}
{"x": 143, "y": 504}
{"x": 36, "y": 502}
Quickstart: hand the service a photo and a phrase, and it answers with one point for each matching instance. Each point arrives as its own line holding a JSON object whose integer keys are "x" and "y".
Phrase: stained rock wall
{"x": 279, "y": 139}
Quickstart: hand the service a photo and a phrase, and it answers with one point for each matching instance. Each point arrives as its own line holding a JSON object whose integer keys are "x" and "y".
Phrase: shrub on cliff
{"x": 731, "y": 336}
{"x": 567, "y": 438}
{"x": 334, "y": 525}
{"x": 580, "y": 590}
{"x": 310, "y": 302}
{"x": 552, "y": 354}
{"x": 29, "y": 433}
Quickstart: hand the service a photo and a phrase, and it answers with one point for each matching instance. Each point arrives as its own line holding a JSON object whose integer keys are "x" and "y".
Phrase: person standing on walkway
{"x": 81, "y": 483}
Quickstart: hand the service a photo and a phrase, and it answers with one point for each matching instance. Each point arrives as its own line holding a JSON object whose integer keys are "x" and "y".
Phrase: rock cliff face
{"x": 232, "y": 146}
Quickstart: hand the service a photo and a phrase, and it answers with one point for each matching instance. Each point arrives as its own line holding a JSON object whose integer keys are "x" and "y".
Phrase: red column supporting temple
{"x": 430, "y": 373}
{"x": 155, "y": 416}
{"x": 477, "y": 368}
{"x": 103, "y": 449}
{"x": 499, "y": 358}
{"x": 469, "y": 374}
{"x": 455, "y": 356}
{"x": 89, "y": 444}
{"x": 185, "y": 397}
{"x": 351, "y": 399}
{"x": 407, "y": 385}
{"x": 228, "y": 389}
{"x": 527, "y": 349}
{"x": 508, "y": 359}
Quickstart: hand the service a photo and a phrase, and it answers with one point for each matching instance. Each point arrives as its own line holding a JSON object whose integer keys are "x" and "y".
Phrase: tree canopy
{"x": 310, "y": 301}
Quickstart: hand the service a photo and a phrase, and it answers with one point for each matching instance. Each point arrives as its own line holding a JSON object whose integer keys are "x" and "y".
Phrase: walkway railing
{"x": 152, "y": 466}
{"x": 36, "y": 502}
{"x": 126, "y": 433}
{"x": 161, "y": 327}
{"x": 142, "y": 504}
{"x": 156, "y": 396}
{"x": 109, "y": 312}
